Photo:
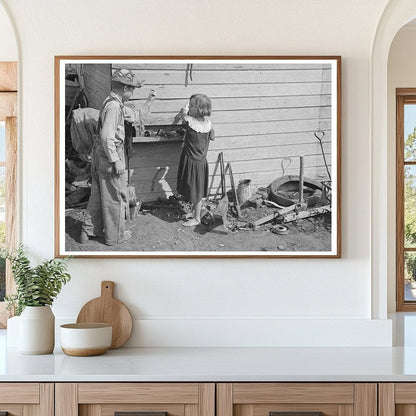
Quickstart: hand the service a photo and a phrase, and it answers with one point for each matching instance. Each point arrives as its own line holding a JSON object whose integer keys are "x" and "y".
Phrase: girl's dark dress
{"x": 192, "y": 181}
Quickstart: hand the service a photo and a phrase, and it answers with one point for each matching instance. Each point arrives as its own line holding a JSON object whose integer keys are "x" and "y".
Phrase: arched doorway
{"x": 396, "y": 15}
{"x": 8, "y": 150}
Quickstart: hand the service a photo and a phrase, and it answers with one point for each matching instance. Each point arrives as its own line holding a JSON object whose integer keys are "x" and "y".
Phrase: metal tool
{"x": 236, "y": 202}
{"x": 295, "y": 207}
{"x": 217, "y": 164}
{"x": 131, "y": 211}
{"x": 273, "y": 204}
{"x": 301, "y": 172}
{"x": 320, "y": 136}
{"x": 293, "y": 216}
{"x": 222, "y": 207}
{"x": 282, "y": 164}
{"x": 221, "y": 156}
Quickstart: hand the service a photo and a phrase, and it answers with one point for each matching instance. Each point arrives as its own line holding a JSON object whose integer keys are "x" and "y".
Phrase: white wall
{"x": 401, "y": 74}
{"x": 8, "y": 46}
{"x": 215, "y": 301}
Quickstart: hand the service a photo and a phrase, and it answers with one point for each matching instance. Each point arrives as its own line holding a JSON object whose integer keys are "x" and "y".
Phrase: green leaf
{"x": 35, "y": 286}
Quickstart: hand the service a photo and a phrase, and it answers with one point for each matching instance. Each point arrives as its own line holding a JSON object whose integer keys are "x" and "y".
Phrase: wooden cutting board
{"x": 107, "y": 309}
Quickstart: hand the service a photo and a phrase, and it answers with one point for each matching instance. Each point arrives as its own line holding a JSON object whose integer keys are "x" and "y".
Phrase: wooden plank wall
{"x": 96, "y": 81}
{"x": 262, "y": 114}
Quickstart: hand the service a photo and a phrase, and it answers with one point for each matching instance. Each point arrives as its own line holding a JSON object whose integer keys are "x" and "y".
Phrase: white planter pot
{"x": 37, "y": 330}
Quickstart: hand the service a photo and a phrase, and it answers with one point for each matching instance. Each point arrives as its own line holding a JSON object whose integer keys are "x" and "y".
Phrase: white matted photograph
{"x": 198, "y": 156}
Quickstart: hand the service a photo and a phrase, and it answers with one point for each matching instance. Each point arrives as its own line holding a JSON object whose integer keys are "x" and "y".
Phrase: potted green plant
{"x": 36, "y": 289}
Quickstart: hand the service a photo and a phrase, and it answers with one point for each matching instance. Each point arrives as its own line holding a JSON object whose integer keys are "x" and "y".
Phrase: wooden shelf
{"x": 156, "y": 139}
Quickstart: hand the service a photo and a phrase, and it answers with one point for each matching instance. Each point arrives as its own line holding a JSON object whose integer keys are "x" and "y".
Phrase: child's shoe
{"x": 192, "y": 222}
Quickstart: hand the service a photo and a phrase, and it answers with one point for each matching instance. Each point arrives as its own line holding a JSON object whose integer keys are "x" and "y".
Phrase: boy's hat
{"x": 126, "y": 77}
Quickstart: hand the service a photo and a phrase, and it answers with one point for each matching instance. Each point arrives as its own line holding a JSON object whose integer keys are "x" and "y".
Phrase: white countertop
{"x": 215, "y": 364}
{"x": 222, "y": 364}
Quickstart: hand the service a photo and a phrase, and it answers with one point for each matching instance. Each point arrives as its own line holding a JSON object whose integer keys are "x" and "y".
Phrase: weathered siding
{"x": 262, "y": 114}
{"x": 96, "y": 81}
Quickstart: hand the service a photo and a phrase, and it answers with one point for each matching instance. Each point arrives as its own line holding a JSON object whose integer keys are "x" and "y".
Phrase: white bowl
{"x": 83, "y": 340}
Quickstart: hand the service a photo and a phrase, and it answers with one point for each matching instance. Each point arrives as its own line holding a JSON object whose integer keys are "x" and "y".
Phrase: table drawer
{"x": 145, "y": 399}
{"x": 296, "y": 399}
{"x": 21, "y": 399}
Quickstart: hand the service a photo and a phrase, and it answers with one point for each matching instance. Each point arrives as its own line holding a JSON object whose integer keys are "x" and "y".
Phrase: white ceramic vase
{"x": 37, "y": 330}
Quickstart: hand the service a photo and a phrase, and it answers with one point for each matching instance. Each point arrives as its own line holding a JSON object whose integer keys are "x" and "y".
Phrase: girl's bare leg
{"x": 197, "y": 216}
{"x": 197, "y": 211}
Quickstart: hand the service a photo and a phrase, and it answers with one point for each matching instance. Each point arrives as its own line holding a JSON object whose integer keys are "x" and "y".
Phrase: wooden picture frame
{"x": 405, "y": 301}
{"x": 8, "y": 116}
{"x": 277, "y": 123}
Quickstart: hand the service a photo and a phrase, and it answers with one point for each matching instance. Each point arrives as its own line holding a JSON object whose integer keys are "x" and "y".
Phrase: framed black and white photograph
{"x": 198, "y": 156}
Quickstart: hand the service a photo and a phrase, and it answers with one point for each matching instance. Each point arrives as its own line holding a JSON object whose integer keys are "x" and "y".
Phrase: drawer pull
{"x": 295, "y": 413}
{"x": 140, "y": 414}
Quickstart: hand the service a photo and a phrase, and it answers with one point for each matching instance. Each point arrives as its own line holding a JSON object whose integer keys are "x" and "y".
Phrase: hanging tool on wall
{"x": 283, "y": 166}
{"x": 320, "y": 134}
{"x": 188, "y": 73}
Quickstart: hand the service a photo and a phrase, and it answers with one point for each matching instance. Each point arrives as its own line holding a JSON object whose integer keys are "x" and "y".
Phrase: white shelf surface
{"x": 387, "y": 364}
{"x": 214, "y": 365}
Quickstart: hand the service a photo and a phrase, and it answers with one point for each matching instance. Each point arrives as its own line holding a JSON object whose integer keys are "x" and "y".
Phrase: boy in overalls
{"x": 106, "y": 210}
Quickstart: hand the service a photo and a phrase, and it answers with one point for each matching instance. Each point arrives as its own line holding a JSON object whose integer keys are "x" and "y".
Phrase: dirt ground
{"x": 161, "y": 229}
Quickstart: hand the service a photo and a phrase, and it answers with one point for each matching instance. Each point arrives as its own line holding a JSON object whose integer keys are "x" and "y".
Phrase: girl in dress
{"x": 192, "y": 181}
